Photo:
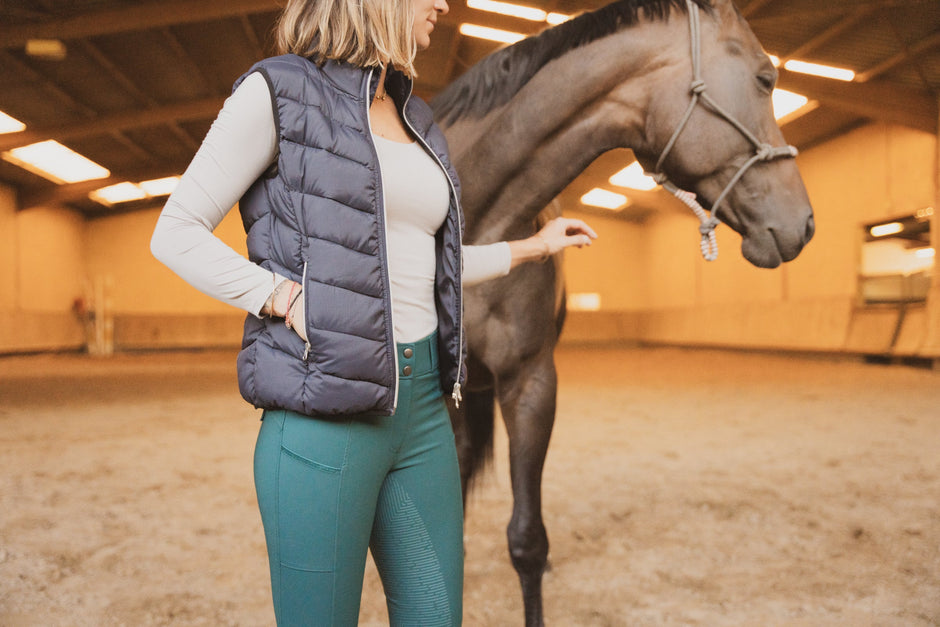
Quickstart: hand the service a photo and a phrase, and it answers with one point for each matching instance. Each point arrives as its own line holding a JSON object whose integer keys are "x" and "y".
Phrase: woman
{"x": 354, "y": 280}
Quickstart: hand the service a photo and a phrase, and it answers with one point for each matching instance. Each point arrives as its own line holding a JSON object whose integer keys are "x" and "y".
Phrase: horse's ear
{"x": 712, "y": 6}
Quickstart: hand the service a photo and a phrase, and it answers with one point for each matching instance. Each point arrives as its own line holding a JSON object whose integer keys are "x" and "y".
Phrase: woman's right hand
{"x": 287, "y": 301}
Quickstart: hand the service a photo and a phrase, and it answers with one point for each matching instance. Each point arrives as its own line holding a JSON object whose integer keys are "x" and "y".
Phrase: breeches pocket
{"x": 312, "y": 457}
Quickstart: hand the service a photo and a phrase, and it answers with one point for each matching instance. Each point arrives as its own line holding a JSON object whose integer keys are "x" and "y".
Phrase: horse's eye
{"x": 766, "y": 81}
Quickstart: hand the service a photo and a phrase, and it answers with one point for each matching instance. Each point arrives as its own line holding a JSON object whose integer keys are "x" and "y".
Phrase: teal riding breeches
{"x": 331, "y": 489}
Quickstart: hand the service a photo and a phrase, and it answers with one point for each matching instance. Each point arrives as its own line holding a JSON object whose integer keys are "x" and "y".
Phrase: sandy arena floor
{"x": 682, "y": 488}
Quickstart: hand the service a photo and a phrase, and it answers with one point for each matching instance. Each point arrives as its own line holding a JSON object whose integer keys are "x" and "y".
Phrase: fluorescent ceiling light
{"x": 127, "y": 191}
{"x": 160, "y": 187}
{"x": 505, "y": 8}
{"x": 48, "y": 49}
{"x": 633, "y": 177}
{"x": 924, "y": 253}
{"x": 816, "y": 69}
{"x": 114, "y": 194}
{"x": 880, "y": 230}
{"x": 518, "y": 10}
{"x": 787, "y": 102}
{"x": 10, "y": 124}
{"x": 492, "y": 34}
{"x": 598, "y": 197}
{"x": 557, "y": 18}
{"x": 584, "y": 301}
{"x": 52, "y": 160}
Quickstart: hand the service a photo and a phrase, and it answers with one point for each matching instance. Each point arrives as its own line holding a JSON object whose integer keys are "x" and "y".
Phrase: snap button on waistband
{"x": 408, "y": 353}
{"x": 406, "y": 370}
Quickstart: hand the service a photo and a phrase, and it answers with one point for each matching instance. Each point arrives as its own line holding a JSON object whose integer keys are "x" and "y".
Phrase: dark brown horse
{"x": 686, "y": 86}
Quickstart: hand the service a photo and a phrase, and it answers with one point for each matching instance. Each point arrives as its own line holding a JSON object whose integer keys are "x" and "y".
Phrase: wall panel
{"x": 9, "y": 247}
{"x": 613, "y": 266}
{"x": 119, "y": 248}
{"x": 41, "y": 276}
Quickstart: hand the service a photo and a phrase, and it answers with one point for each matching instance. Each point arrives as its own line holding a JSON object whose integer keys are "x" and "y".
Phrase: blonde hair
{"x": 365, "y": 33}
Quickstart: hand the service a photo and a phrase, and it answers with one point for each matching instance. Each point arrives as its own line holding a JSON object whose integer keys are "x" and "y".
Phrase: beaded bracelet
{"x": 291, "y": 301}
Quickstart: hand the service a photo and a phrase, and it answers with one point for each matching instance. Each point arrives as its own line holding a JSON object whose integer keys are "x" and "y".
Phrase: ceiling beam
{"x": 251, "y": 38}
{"x": 26, "y": 13}
{"x": 130, "y": 145}
{"x": 917, "y": 109}
{"x": 136, "y": 16}
{"x": 49, "y": 86}
{"x": 185, "y": 60}
{"x": 829, "y": 34}
{"x": 131, "y": 87}
{"x": 753, "y": 7}
{"x": 913, "y": 52}
{"x": 166, "y": 114}
{"x": 783, "y": 11}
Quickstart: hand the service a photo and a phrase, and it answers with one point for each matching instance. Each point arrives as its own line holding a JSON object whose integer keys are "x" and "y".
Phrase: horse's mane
{"x": 498, "y": 77}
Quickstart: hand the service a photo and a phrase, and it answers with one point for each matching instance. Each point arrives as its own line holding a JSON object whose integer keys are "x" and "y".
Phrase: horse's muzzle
{"x": 769, "y": 247}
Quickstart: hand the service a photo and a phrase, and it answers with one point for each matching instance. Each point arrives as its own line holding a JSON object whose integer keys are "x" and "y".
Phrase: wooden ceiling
{"x": 141, "y": 81}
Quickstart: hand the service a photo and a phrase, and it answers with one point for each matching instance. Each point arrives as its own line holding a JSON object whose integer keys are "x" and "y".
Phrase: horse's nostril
{"x": 810, "y": 229}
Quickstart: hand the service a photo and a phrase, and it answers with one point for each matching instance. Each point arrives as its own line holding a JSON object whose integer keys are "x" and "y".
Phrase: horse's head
{"x": 730, "y": 127}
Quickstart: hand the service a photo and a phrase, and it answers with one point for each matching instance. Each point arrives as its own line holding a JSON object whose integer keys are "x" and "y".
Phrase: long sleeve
{"x": 239, "y": 147}
{"x": 486, "y": 262}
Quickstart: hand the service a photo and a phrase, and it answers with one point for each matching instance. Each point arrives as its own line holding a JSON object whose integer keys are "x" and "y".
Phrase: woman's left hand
{"x": 561, "y": 233}
{"x": 555, "y": 236}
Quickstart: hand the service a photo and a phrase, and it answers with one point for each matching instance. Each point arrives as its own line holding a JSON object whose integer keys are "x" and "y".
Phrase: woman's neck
{"x": 384, "y": 117}
{"x": 380, "y": 93}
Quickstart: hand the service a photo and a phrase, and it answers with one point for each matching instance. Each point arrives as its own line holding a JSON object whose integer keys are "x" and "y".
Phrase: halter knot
{"x": 707, "y": 226}
{"x": 698, "y": 86}
{"x": 765, "y": 152}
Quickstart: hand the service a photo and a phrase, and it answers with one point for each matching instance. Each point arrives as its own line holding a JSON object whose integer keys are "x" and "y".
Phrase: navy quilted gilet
{"x": 319, "y": 220}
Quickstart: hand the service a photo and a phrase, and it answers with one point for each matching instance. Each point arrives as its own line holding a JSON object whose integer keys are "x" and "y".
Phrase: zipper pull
{"x": 456, "y": 395}
{"x": 306, "y": 350}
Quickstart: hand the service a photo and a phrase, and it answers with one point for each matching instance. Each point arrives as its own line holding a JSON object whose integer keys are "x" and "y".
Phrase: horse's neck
{"x": 518, "y": 157}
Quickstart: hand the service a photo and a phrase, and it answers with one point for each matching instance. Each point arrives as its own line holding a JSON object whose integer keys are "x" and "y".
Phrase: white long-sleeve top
{"x": 239, "y": 147}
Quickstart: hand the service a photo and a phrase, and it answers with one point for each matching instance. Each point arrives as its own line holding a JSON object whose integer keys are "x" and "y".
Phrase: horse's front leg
{"x": 527, "y": 400}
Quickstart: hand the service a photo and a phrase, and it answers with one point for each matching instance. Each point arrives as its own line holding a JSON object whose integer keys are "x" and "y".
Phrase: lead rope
{"x": 709, "y": 242}
{"x": 763, "y": 151}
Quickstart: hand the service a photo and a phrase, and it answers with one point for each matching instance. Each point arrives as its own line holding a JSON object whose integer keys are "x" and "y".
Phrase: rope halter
{"x": 762, "y": 151}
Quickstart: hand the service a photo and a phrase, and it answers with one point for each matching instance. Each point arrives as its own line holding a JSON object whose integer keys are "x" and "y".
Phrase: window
{"x": 897, "y": 259}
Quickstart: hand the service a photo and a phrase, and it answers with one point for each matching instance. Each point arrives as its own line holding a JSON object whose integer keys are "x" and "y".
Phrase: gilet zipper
{"x": 388, "y": 283}
{"x": 456, "y": 393}
{"x": 306, "y": 314}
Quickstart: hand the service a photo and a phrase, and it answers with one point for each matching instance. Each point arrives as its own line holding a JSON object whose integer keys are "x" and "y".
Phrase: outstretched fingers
{"x": 555, "y": 236}
{"x": 563, "y": 232}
